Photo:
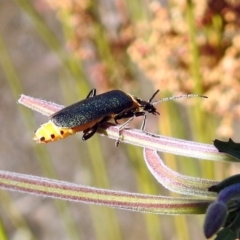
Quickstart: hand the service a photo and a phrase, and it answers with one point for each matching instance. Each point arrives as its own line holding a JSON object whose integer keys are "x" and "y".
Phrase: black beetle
{"x": 86, "y": 115}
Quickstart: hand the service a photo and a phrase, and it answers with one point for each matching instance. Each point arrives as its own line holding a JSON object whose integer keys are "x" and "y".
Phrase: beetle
{"x": 88, "y": 114}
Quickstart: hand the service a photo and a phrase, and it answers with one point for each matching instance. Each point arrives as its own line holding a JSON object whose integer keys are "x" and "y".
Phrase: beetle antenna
{"x": 153, "y": 96}
{"x": 176, "y": 97}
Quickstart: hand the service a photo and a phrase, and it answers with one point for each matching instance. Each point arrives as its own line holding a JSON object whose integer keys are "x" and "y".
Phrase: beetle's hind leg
{"x": 88, "y": 133}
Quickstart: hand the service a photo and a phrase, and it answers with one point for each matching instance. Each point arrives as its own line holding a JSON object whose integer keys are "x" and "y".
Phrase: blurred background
{"x": 60, "y": 50}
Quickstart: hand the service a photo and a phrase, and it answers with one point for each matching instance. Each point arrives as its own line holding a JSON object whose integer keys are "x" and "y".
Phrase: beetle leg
{"x": 92, "y": 93}
{"x": 105, "y": 119}
{"x": 144, "y": 122}
{"x": 137, "y": 114}
{"x": 121, "y": 127}
{"x": 122, "y": 115}
{"x": 132, "y": 115}
{"x": 88, "y": 133}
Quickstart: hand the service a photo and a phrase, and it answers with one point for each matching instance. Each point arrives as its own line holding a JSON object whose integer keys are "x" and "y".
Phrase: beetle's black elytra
{"x": 90, "y": 109}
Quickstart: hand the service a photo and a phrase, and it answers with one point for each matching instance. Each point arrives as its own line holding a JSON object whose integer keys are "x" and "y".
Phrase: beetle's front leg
{"x": 131, "y": 115}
